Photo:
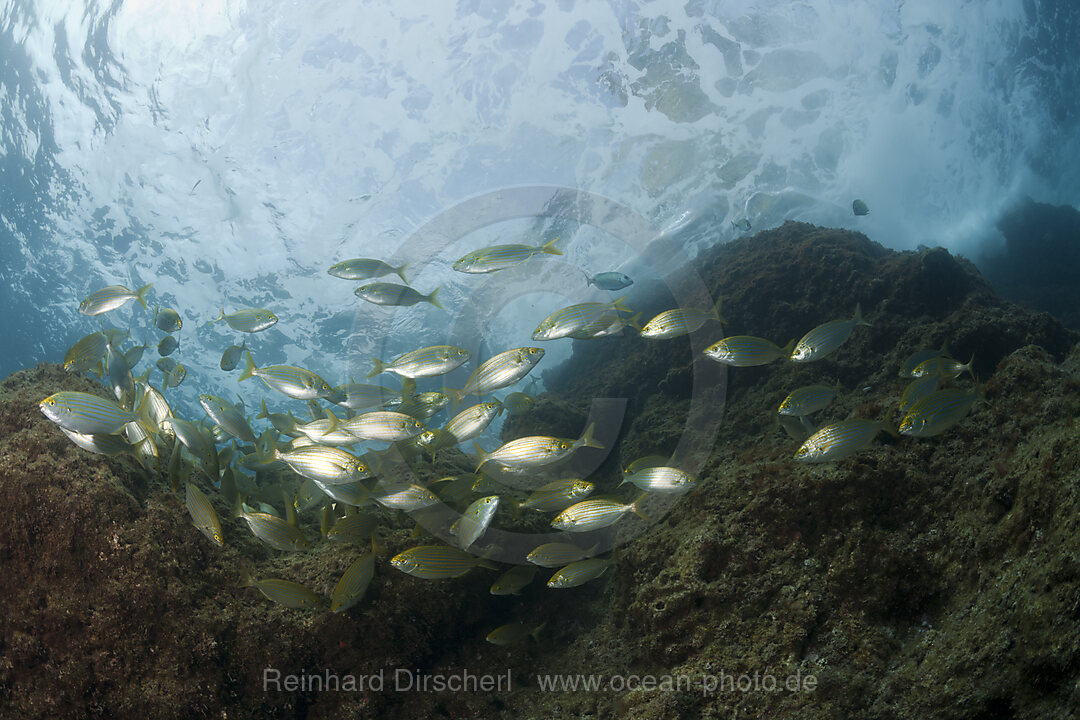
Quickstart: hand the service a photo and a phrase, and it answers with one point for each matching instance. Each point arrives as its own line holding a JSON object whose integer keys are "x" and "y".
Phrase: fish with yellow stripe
{"x": 596, "y": 514}
{"x": 353, "y": 583}
{"x": 746, "y": 351}
{"x": 826, "y": 338}
{"x": 938, "y": 411}
{"x": 839, "y": 440}
{"x": 499, "y": 372}
{"x": 579, "y": 573}
{"x": 437, "y": 562}
{"x": 203, "y": 515}
{"x": 498, "y": 257}
{"x": 110, "y": 298}
{"x": 283, "y": 592}
{"x": 535, "y": 450}
{"x": 680, "y": 321}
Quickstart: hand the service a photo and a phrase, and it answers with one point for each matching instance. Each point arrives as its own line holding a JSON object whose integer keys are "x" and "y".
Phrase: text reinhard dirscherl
{"x": 408, "y": 680}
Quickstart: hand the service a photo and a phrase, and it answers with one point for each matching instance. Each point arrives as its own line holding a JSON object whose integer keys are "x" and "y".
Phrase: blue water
{"x": 229, "y": 153}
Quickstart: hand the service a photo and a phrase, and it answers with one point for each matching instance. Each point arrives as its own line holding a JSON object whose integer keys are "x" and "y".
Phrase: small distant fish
{"x": 859, "y": 208}
{"x": 808, "y": 400}
{"x": 228, "y": 417}
{"x": 741, "y": 224}
{"x": 798, "y": 427}
{"x": 87, "y": 352}
{"x": 197, "y": 443}
{"x": 282, "y": 422}
{"x": 358, "y": 396}
{"x": 938, "y": 411}
{"x": 366, "y": 268}
{"x": 174, "y": 377}
{"x": 535, "y": 450}
{"x": 437, "y": 562}
{"x": 558, "y": 495}
{"x": 396, "y": 295}
{"x": 595, "y": 514}
{"x": 826, "y": 338}
{"x": 679, "y": 322}
{"x": 110, "y": 298}
{"x": 405, "y": 496}
{"x": 556, "y": 554}
{"x": 497, "y": 257}
{"x": 517, "y": 403}
{"x": 120, "y": 380}
{"x": 472, "y": 421}
{"x": 425, "y": 362}
{"x": 283, "y": 592}
{"x": 133, "y": 355}
{"x": 167, "y": 319}
{"x": 499, "y": 372}
{"x": 475, "y": 520}
{"x": 86, "y": 414}
{"x": 839, "y": 440}
{"x": 662, "y": 480}
{"x": 295, "y": 382}
{"x": 917, "y": 389}
{"x": 422, "y": 405}
{"x": 579, "y": 573}
{"x": 353, "y": 528}
{"x": 231, "y": 357}
{"x": 167, "y": 346}
{"x": 513, "y": 580}
{"x": 203, "y": 515}
{"x": 353, "y": 583}
{"x": 166, "y": 364}
{"x": 745, "y": 351}
{"x": 945, "y": 367}
{"x": 513, "y": 634}
{"x": 274, "y": 531}
{"x": 611, "y": 281}
{"x": 251, "y": 320}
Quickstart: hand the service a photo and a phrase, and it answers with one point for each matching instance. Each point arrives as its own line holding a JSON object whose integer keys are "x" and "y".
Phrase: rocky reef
{"x": 934, "y": 577}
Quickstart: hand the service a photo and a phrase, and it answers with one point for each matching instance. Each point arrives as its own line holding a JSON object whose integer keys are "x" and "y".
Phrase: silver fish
{"x": 111, "y": 297}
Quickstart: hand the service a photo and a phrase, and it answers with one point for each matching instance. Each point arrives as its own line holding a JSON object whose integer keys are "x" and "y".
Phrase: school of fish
{"x": 295, "y": 477}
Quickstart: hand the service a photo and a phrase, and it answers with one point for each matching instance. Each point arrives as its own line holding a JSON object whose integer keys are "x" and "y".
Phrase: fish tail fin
{"x": 790, "y": 348}
{"x": 636, "y": 507}
{"x": 433, "y": 298}
{"x": 249, "y": 370}
{"x": 549, "y": 247}
{"x": 481, "y": 456}
{"x": 858, "y": 315}
{"x": 378, "y": 366}
{"x": 401, "y": 272}
{"x": 456, "y": 396}
{"x": 635, "y": 322}
{"x": 245, "y": 578}
{"x": 587, "y": 440}
{"x": 220, "y": 317}
{"x": 157, "y": 307}
{"x": 588, "y": 278}
{"x": 535, "y": 634}
{"x": 620, "y": 305}
{"x": 264, "y": 413}
{"x": 968, "y": 367}
{"x": 716, "y": 311}
{"x": 140, "y": 294}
